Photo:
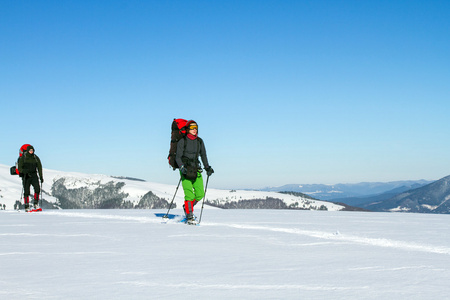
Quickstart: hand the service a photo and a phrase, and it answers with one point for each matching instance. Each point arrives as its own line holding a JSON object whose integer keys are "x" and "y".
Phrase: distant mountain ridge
{"x": 76, "y": 190}
{"x": 431, "y": 198}
{"x": 347, "y": 190}
{"x": 364, "y": 200}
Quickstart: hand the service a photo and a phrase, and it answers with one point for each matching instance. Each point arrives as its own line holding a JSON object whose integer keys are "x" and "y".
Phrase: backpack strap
{"x": 199, "y": 147}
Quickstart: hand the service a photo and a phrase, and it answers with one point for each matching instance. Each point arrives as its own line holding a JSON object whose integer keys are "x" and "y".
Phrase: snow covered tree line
{"x": 103, "y": 196}
{"x": 110, "y": 195}
{"x": 68, "y": 191}
{"x": 266, "y": 203}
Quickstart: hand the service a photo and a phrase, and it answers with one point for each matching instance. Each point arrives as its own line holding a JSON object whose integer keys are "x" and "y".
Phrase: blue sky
{"x": 283, "y": 91}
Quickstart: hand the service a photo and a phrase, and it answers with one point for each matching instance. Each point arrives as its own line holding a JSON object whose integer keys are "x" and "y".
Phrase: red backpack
{"x": 178, "y": 132}
{"x": 14, "y": 170}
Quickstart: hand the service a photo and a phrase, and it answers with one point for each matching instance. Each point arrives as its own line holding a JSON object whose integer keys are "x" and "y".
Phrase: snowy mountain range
{"x": 348, "y": 190}
{"x": 419, "y": 196}
{"x": 68, "y": 190}
{"x": 431, "y": 198}
{"x": 363, "y": 201}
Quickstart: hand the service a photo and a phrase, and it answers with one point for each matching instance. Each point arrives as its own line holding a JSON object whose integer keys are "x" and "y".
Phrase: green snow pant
{"x": 193, "y": 189}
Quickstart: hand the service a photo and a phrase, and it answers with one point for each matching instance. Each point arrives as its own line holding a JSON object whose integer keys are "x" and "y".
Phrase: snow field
{"x": 233, "y": 254}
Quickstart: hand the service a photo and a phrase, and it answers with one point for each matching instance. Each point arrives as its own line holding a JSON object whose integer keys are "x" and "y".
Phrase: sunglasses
{"x": 193, "y": 127}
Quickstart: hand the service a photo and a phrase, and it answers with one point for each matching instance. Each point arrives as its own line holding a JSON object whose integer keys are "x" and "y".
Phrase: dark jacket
{"x": 30, "y": 164}
{"x": 188, "y": 151}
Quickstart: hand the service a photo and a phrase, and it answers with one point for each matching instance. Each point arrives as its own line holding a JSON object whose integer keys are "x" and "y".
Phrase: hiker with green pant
{"x": 188, "y": 151}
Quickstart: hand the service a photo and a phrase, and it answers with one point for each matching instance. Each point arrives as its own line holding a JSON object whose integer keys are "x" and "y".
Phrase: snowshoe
{"x": 191, "y": 220}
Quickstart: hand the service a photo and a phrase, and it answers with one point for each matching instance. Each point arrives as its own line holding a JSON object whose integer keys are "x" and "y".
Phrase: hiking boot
{"x": 192, "y": 221}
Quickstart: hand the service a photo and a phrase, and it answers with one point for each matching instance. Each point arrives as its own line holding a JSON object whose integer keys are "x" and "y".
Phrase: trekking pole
{"x": 204, "y": 198}
{"x": 170, "y": 206}
{"x": 40, "y": 205}
{"x": 21, "y": 199}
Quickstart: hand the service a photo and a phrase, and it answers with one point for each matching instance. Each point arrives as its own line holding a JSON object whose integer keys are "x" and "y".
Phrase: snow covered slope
{"x": 77, "y": 190}
{"x": 233, "y": 254}
{"x": 432, "y": 198}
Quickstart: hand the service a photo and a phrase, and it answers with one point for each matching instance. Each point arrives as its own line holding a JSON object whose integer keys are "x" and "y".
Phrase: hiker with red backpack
{"x": 189, "y": 148}
{"x": 29, "y": 166}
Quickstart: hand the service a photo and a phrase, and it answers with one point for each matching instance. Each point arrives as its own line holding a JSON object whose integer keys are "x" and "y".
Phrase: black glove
{"x": 183, "y": 170}
{"x": 209, "y": 171}
{"x": 42, "y": 180}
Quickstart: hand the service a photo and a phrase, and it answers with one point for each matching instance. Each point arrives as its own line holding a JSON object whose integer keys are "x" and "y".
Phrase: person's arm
{"x": 180, "y": 152}
{"x": 204, "y": 157}
{"x": 20, "y": 164}
{"x": 39, "y": 166}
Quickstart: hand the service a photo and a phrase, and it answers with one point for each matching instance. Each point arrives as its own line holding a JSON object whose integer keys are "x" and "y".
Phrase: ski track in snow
{"x": 334, "y": 237}
{"x": 108, "y": 217}
{"x": 382, "y": 269}
{"x": 57, "y": 253}
{"x": 348, "y": 238}
{"x": 240, "y": 287}
{"x": 46, "y": 234}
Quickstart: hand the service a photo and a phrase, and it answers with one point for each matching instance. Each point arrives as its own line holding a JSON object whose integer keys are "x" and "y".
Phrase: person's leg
{"x": 199, "y": 191}
{"x": 37, "y": 190}
{"x": 189, "y": 197}
{"x": 26, "y": 191}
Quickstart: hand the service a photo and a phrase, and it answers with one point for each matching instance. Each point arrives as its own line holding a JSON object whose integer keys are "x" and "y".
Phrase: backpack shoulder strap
{"x": 199, "y": 146}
